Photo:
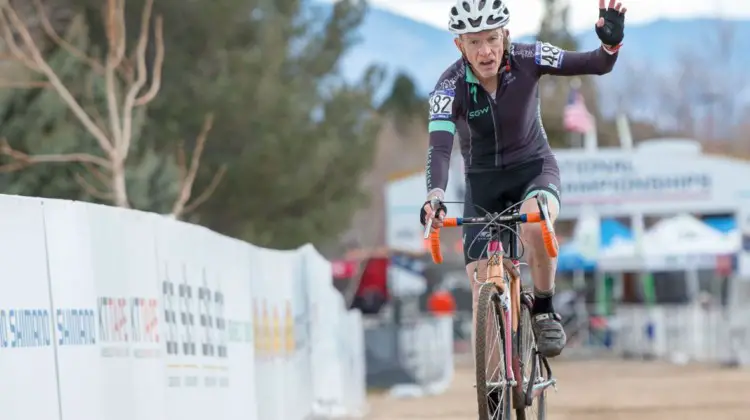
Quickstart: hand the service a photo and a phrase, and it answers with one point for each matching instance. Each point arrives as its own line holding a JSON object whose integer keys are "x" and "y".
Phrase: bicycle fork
{"x": 507, "y": 305}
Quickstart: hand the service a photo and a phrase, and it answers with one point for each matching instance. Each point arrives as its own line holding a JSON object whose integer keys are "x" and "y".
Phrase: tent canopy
{"x": 686, "y": 234}
{"x": 571, "y": 258}
{"x": 681, "y": 242}
{"x": 722, "y": 224}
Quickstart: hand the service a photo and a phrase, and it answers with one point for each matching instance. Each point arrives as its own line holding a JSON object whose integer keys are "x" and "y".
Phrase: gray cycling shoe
{"x": 549, "y": 333}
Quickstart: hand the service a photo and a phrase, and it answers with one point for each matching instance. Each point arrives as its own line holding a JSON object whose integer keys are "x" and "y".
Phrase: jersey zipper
{"x": 498, "y": 136}
{"x": 471, "y": 139}
{"x": 498, "y": 132}
{"x": 494, "y": 126}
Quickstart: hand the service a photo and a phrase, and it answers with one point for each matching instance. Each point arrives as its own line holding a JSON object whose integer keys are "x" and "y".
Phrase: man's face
{"x": 484, "y": 50}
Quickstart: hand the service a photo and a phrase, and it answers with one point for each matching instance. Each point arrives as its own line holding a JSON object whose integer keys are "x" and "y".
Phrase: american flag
{"x": 576, "y": 116}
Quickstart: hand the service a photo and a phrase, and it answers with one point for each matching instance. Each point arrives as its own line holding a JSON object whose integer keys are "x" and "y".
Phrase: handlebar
{"x": 541, "y": 217}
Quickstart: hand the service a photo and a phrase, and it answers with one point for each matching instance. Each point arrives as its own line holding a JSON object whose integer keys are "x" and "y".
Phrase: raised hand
{"x": 610, "y": 27}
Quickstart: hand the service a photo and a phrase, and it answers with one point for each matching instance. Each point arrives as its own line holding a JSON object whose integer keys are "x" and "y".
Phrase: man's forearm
{"x": 438, "y": 162}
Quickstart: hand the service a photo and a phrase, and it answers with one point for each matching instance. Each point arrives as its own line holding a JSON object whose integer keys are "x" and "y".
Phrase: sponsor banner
{"x": 119, "y": 314}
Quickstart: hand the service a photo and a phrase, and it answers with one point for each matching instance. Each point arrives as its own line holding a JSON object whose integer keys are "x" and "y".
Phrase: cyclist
{"x": 490, "y": 97}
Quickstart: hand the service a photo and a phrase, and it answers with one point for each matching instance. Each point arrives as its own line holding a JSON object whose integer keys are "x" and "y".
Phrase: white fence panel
{"x": 197, "y": 361}
{"x": 355, "y": 374}
{"x": 234, "y": 267}
{"x": 261, "y": 336}
{"x": 327, "y": 311}
{"x": 73, "y": 285}
{"x": 28, "y": 389}
{"x": 281, "y": 372}
{"x": 297, "y": 337}
{"x": 127, "y": 297}
{"x": 683, "y": 333}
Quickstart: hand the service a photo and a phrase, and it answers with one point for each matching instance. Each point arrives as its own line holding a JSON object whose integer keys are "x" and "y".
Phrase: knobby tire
{"x": 486, "y": 301}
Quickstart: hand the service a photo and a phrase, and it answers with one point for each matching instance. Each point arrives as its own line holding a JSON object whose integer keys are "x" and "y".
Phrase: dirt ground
{"x": 599, "y": 390}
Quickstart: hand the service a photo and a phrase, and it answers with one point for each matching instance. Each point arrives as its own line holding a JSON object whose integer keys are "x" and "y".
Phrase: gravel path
{"x": 611, "y": 390}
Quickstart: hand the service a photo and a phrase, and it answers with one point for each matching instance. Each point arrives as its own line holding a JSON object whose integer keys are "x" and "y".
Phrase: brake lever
{"x": 434, "y": 202}
{"x": 543, "y": 204}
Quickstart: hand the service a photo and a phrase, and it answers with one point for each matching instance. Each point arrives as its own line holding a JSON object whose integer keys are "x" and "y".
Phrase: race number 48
{"x": 549, "y": 55}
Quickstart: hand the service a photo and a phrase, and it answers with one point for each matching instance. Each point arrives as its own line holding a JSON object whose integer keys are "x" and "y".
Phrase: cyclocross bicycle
{"x": 518, "y": 382}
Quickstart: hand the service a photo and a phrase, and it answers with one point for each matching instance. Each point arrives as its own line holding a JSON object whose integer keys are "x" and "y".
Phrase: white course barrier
{"x": 428, "y": 353}
{"x": 115, "y": 314}
{"x": 684, "y": 333}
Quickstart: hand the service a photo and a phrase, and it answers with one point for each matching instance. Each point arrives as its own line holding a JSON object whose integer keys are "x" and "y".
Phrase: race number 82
{"x": 440, "y": 104}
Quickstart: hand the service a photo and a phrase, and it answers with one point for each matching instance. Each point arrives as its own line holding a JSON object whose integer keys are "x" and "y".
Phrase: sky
{"x": 526, "y": 14}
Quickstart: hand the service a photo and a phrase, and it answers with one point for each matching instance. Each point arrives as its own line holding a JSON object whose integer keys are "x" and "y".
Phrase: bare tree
{"x": 698, "y": 94}
{"x": 129, "y": 85}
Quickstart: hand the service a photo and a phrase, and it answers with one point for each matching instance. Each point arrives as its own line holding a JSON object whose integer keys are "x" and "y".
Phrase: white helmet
{"x": 471, "y": 16}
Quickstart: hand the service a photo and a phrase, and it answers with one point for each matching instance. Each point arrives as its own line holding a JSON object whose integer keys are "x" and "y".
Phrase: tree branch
{"x": 115, "y": 29}
{"x": 92, "y": 190}
{"x": 16, "y": 52}
{"x": 5, "y": 56}
{"x": 182, "y": 160}
{"x": 59, "y": 86}
{"x": 75, "y": 52}
{"x": 188, "y": 180}
{"x": 23, "y": 160}
{"x": 20, "y": 84}
{"x": 207, "y": 192}
{"x": 158, "y": 64}
{"x": 97, "y": 173}
{"x": 141, "y": 77}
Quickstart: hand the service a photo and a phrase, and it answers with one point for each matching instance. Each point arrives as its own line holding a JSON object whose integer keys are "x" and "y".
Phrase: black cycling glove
{"x": 423, "y": 214}
{"x": 613, "y": 30}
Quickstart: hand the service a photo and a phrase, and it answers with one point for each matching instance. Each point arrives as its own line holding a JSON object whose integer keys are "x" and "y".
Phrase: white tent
{"x": 621, "y": 255}
{"x": 679, "y": 243}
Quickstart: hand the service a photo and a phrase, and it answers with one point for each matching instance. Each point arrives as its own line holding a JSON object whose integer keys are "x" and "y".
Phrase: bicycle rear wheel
{"x": 530, "y": 367}
{"x": 493, "y": 394}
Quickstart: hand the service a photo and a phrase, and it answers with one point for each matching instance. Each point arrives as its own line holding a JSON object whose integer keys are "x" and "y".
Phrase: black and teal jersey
{"x": 504, "y": 131}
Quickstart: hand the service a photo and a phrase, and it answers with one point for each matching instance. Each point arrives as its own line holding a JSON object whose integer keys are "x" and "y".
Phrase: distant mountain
{"x": 422, "y": 51}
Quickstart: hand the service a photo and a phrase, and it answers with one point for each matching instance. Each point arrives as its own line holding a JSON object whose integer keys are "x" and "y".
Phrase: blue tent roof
{"x": 570, "y": 258}
{"x": 612, "y": 229}
{"x": 722, "y": 224}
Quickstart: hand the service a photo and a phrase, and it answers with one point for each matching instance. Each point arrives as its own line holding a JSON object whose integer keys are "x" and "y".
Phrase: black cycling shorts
{"x": 494, "y": 190}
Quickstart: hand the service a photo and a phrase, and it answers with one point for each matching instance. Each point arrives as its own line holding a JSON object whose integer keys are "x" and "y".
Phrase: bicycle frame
{"x": 509, "y": 297}
{"x": 509, "y": 293}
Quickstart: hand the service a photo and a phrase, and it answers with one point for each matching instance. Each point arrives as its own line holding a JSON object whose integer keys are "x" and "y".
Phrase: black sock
{"x": 542, "y": 302}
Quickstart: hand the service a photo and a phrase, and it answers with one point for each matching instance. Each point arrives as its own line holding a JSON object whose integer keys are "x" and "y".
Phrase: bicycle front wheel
{"x": 493, "y": 392}
{"x": 530, "y": 369}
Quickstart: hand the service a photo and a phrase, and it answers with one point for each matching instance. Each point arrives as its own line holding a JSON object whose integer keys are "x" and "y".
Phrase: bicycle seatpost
{"x": 434, "y": 203}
